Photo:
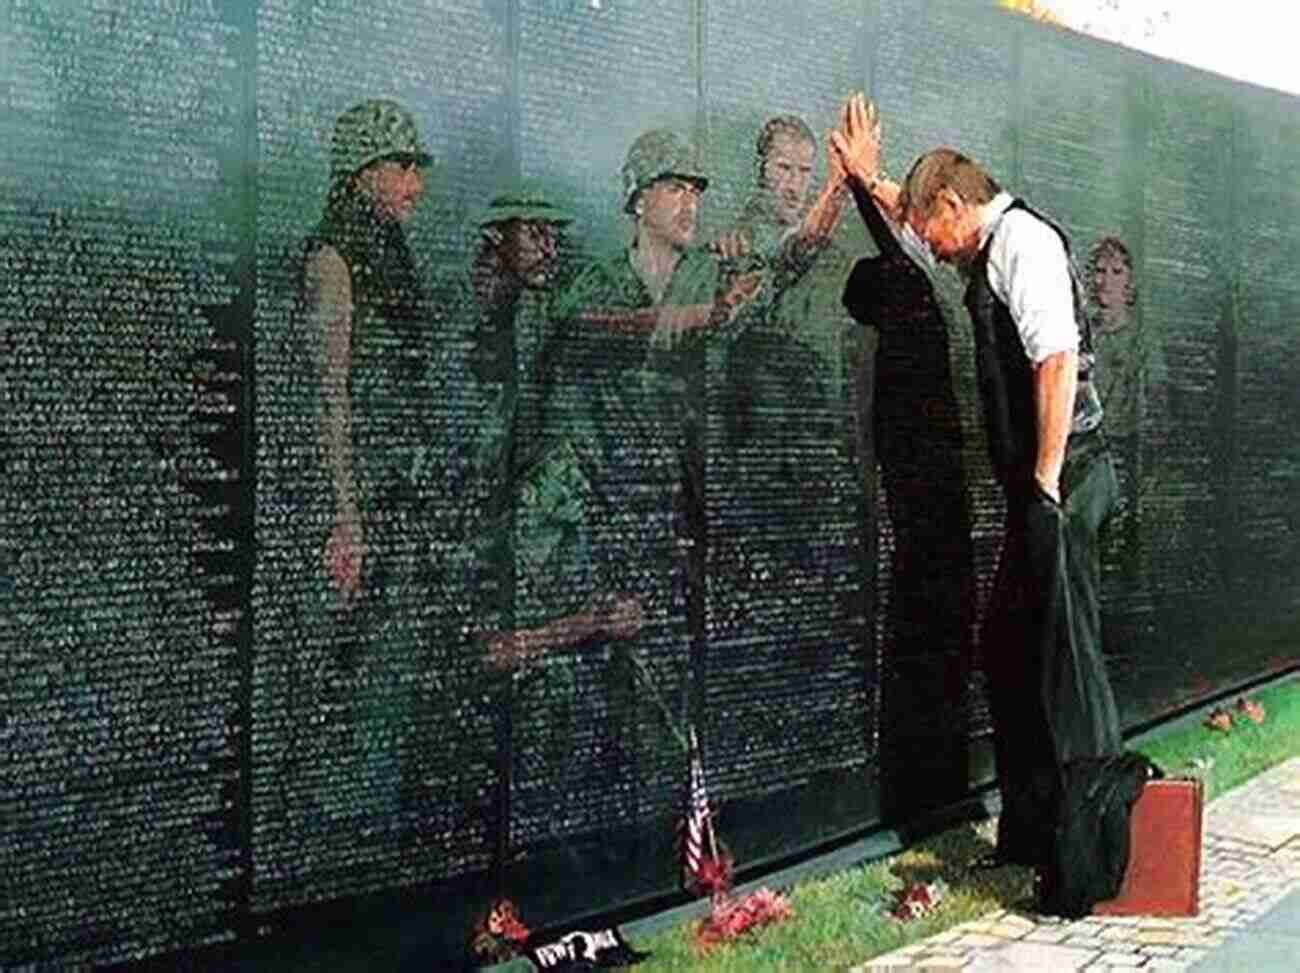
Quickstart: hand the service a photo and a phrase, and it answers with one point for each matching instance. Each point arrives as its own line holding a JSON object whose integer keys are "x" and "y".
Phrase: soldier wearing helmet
{"x": 665, "y": 286}
{"x": 615, "y": 456}
{"x": 368, "y": 319}
{"x": 360, "y": 287}
{"x": 376, "y": 150}
{"x": 662, "y": 187}
{"x": 589, "y": 370}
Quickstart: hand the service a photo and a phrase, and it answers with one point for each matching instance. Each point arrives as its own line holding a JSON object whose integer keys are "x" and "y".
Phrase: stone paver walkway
{"x": 1251, "y": 860}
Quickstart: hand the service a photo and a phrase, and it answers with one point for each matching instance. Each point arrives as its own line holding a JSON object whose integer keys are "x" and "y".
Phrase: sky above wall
{"x": 1251, "y": 40}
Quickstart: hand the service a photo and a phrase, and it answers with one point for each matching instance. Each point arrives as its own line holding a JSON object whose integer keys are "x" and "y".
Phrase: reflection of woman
{"x": 1132, "y": 379}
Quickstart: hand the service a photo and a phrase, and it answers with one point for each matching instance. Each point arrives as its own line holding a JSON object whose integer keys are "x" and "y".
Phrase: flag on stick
{"x": 703, "y": 865}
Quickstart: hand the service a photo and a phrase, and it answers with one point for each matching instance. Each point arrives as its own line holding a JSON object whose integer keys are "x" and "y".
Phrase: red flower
{"x": 732, "y": 918}
{"x": 503, "y": 920}
{"x": 917, "y": 900}
{"x": 1219, "y": 719}
{"x": 1251, "y": 709}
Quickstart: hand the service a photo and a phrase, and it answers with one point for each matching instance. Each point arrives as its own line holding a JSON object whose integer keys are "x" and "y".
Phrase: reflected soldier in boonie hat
{"x": 523, "y": 225}
{"x": 520, "y": 232}
{"x": 527, "y": 203}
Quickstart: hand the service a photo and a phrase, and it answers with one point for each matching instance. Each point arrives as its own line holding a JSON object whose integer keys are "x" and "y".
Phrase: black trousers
{"x": 1041, "y": 643}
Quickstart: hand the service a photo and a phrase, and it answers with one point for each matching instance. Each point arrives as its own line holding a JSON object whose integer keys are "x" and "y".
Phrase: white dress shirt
{"x": 1029, "y": 272}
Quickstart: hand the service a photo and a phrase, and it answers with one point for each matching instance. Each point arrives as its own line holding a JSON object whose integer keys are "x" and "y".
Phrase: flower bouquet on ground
{"x": 917, "y": 900}
{"x": 1250, "y": 709}
{"x": 732, "y": 917}
{"x": 499, "y": 934}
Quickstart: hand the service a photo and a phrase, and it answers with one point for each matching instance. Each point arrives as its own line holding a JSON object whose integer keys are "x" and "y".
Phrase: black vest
{"x": 1005, "y": 373}
{"x": 390, "y": 350}
{"x": 385, "y": 282}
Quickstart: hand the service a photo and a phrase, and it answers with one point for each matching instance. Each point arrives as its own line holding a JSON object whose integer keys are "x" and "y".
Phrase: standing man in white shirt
{"x": 1041, "y": 640}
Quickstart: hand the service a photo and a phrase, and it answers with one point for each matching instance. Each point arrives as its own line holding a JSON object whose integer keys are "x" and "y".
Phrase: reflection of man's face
{"x": 395, "y": 186}
{"x": 529, "y": 249}
{"x": 668, "y": 209}
{"x": 787, "y": 174}
{"x": 1110, "y": 280}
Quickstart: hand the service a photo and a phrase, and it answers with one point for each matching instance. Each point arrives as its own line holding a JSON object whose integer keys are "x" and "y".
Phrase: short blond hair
{"x": 944, "y": 168}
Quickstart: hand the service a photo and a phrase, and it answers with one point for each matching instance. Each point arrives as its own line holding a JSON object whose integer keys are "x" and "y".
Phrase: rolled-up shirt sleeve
{"x": 1029, "y": 271}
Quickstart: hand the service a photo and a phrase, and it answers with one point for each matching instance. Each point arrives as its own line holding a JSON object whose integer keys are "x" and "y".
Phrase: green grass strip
{"x": 1241, "y": 753}
{"x": 841, "y": 920}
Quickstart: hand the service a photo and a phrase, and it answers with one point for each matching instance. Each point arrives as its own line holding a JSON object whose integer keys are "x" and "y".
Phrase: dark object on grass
{"x": 1089, "y": 851}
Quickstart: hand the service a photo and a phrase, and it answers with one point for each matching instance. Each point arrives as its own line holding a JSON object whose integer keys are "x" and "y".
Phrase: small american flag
{"x": 699, "y": 819}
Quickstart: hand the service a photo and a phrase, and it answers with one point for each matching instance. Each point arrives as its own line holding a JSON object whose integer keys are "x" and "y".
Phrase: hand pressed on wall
{"x": 857, "y": 141}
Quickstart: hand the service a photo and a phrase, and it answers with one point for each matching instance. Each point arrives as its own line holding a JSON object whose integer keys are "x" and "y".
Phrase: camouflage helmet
{"x": 374, "y": 130}
{"x": 658, "y": 154}
{"x": 527, "y": 203}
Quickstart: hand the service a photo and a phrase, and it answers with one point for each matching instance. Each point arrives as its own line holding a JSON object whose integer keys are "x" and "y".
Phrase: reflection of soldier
{"x": 1130, "y": 360}
{"x": 502, "y": 305}
{"x": 653, "y": 307}
{"x": 660, "y": 285}
{"x": 784, "y": 377}
{"x": 499, "y": 307}
{"x": 774, "y": 221}
{"x": 1133, "y": 382}
{"x": 790, "y": 476}
{"x": 596, "y": 530}
{"x": 367, "y": 311}
{"x": 534, "y": 493}
{"x": 793, "y": 240}
{"x": 799, "y": 243}
{"x": 360, "y": 284}
{"x": 517, "y": 259}
{"x": 496, "y": 308}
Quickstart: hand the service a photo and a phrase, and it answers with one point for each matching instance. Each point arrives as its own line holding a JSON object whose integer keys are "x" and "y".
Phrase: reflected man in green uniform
{"x": 793, "y": 470}
{"x": 603, "y": 510}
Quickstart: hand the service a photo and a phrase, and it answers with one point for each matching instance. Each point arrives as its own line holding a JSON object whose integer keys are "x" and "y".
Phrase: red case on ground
{"x": 1164, "y": 867}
